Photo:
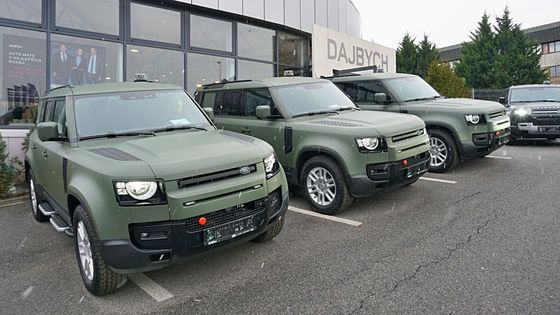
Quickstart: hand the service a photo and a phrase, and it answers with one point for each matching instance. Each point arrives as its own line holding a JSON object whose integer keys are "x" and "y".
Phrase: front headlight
{"x": 370, "y": 144}
{"x": 522, "y": 112}
{"x": 472, "y": 119}
{"x": 139, "y": 193}
{"x": 271, "y": 166}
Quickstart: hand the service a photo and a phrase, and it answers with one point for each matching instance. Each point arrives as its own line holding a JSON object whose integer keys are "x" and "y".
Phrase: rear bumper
{"x": 529, "y": 130}
{"x": 483, "y": 144}
{"x": 176, "y": 240}
{"x": 386, "y": 176}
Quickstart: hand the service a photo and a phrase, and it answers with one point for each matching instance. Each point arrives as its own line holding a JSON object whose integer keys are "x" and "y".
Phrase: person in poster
{"x": 78, "y": 67}
{"x": 94, "y": 70}
{"x": 60, "y": 66}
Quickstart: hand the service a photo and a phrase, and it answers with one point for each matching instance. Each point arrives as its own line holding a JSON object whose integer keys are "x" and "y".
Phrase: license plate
{"x": 228, "y": 231}
{"x": 416, "y": 170}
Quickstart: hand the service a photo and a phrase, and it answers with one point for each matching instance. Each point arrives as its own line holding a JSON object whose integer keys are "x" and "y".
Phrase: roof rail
{"x": 58, "y": 87}
{"x": 338, "y": 73}
{"x": 224, "y": 81}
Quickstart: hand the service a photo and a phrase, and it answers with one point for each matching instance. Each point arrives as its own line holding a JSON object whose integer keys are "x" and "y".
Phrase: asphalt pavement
{"x": 483, "y": 238}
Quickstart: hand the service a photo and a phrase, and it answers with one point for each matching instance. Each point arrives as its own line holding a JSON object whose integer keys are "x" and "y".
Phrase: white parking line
{"x": 445, "y": 181}
{"x": 326, "y": 217}
{"x": 499, "y": 157}
{"x": 150, "y": 286}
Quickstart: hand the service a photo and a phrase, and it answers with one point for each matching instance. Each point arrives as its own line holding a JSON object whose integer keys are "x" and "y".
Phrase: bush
{"x": 9, "y": 170}
{"x": 446, "y": 81}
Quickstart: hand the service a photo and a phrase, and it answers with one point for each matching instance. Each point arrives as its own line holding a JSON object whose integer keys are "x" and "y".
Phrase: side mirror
{"x": 47, "y": 131}
{"x": 210, "y": 112}
{"x": 502, "y": 100}
{"x": 382, "y": 98}
{"x": 263, "y": 112}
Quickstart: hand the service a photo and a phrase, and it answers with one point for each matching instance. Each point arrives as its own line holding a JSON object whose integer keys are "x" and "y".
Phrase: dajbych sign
{"x": 335, "y": 50}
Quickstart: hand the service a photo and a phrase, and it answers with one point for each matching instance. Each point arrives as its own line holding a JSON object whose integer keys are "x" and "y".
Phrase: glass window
{"x": 135, "y": 111}
{"x": 349, "y": 88}
{"x": 250, "y": 70}
{"x": 231, "y": 103}
{"x": 208, "y": 99}
{"x": 22, "y": 74}
{"x": 204, "y": 69}
{"x": 256, "y": 42}
{"x": 411, "y": 88}
{"x": 79, "y": 61}
{"x": 554, "y": 71}
{"x": 101, "y": 16}
{"x": 49, "y": 111}
{"x": 366, "y": 91}
{"x": 159, "y": 65}
{"x": 157, "y": 24}
{"x": 292, "y": 49}
{"x": 551, "y": 48}
{"x": 24, "y": 10}
{"x": 211, "y": 33}
{"x": 254, "y": 98}
{"x": 535, "y": 94}
{"x": 59, "y": 117}
{"x": 545, "y": 48}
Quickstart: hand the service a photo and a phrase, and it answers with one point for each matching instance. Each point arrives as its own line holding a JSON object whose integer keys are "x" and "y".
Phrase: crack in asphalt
{"x": 457, "y": 246}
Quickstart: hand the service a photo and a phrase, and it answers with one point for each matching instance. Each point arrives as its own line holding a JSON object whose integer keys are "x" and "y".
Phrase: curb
{"x": 13, "y": 201}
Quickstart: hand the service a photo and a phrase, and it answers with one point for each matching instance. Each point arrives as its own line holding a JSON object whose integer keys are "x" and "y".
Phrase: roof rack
{"x": 338, "y": 73}
{"x": 58, "y": 88}
{"x": 222, "y": 82}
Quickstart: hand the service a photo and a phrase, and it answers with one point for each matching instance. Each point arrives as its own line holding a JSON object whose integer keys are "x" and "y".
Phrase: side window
{"x": 349, "y": 88}
{"x": 209, "y": 100}
{"x": 366, "y": 91}
{"x": 49, "y": 111}
{"x": 59, "y": 117}
{"x": 231, "y": 103}
{"x": 257, "y": 97}
{"x": 41, "y": 113}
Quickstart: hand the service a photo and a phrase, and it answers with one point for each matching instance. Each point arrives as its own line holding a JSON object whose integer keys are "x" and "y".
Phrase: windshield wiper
{"x": 348, "y": 108}
{"x": 179, "y": 127}
{"x": 423, "y": 98}
{"x": 317, "y": 113}
{"x": 119, "y": 134}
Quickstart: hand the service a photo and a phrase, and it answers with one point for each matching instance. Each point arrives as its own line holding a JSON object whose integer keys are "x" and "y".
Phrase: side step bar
{"x": 46, "y": 209}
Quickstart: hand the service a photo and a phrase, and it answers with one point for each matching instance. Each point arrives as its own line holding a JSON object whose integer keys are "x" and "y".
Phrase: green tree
{"x": 407, "y": 52}
{"x": 427, "y": 54}
{"x": 442, "y": 78}
{"x": 8, "y": 171}
{"x": 518, "y": 58}
{"x": 476, "y": 63}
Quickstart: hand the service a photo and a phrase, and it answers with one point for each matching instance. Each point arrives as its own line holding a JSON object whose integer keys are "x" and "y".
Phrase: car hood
{"x": 183, "y": 154}
{"x": 386, "y": 124}
{"x": 466, "y": 105}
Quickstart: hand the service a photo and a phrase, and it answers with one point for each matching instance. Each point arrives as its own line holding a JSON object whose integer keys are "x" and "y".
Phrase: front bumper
{"x": 483, "y": 144}
{"x": 530, "y": 130}
{"x": 386, "y": 176}
{"x": 170, "y": 241}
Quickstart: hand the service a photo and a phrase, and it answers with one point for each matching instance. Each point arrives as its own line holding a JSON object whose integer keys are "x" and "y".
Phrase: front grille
{"x": 496, "y": 114}
{"x": 216, "y": 176}
{"x": 226, "y": 215}
{"x": 408, "y": 135}
{"x": 538, "y": 121}
{"x": 546, "y": 115}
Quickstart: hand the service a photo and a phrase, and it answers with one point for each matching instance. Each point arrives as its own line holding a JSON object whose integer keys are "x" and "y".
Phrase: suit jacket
{"x": 60, "y": 67}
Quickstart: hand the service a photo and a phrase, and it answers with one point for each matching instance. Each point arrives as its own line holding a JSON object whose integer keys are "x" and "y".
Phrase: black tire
{"x": 342, "y": 198}
{"x": 512, "y": 140}
{"x": 37, "y": 214}
{"x": 452, "y": 157}
{"x": 272, "y": 232}
{"x": 104, "y": 279}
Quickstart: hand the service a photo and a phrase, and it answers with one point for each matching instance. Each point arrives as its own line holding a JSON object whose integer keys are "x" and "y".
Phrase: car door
{"x": 53, "y": 153}
{"x": 365, "y": 97}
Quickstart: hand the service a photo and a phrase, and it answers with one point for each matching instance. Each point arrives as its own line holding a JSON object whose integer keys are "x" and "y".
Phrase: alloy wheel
{"x": 321, "y": 186}
{"x": 84, "y": 250}
{"x": 438, "y": 153}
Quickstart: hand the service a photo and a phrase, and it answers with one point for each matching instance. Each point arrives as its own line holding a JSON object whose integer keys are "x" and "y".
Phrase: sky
{"x": 445, "y": 22}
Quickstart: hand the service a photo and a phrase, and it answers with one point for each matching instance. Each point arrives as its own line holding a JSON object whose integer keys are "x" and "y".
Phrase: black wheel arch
{"x": 309, "y": 152}
{"x": 449, "y": 130}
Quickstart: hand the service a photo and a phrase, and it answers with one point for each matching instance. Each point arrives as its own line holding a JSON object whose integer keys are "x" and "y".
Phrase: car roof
{"x": 108, "y": 88}
{"x": 534, "y": 85}
{"x": 369, "y": 76}
{"x": 262, "y": 83}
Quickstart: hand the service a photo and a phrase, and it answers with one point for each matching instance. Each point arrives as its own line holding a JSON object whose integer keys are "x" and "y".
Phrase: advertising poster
{"x": 76, "y": 64}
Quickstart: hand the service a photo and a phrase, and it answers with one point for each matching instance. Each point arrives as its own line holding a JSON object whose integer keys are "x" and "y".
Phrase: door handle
{"x": 45, "y": 154}
{"x": 246, "y": 130}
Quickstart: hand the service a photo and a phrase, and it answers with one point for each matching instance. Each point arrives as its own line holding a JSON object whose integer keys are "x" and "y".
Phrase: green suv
{"x": 140, "y": 177}
{"x": 458, "y": 128}
{"x": 534, "y": 111}
{"x": 327, "y": 146}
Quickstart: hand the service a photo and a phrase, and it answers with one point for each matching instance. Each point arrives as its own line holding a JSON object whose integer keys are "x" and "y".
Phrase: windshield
{"x": 410, "y": 89}
{"x": 130, "y": 112}
{"x": 535, "y": 94}
{"x": 313, "y": 98}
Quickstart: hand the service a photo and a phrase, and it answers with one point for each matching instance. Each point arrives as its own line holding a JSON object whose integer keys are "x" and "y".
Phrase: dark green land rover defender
{"x": 458, "y": 128}
{"x": 140, "y": 177}
{"x": 328, "y": 147}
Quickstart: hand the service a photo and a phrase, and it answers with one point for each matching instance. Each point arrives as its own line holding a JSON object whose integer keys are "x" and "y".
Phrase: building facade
{"x": 547, "y": 36}
{"x": 48, "y": 43}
